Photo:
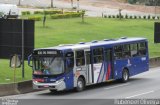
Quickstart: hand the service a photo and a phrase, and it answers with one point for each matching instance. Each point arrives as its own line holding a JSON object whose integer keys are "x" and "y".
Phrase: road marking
{"x": 117, "y": 86}
{"x": 140, "y": 94}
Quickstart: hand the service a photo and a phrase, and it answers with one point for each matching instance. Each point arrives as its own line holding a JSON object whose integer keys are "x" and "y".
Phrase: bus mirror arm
{"x": 29, "y": 60}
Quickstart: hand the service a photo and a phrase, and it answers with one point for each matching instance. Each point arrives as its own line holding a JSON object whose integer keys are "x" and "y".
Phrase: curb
{"x": 26, "y": 86}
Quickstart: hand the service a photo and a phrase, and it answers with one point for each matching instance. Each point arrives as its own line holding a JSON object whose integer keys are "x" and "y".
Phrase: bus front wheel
{"x": 80, "y": 84}
{"x": 125, "y": 75}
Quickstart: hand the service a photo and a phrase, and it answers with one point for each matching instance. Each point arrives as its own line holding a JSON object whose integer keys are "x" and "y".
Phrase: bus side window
{"x": 80, "y": 59}
{"x": 118, "y": 52}
{"x": 134, "y": 50}
{"x": 126, "y": 51}
{"x": 142, "y": 49}
{"x": 88, "y": 58}
{"x": 98, "y": 55}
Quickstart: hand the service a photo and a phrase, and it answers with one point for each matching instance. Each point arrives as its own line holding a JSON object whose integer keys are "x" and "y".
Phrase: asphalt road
{"x": 143, "y": 86}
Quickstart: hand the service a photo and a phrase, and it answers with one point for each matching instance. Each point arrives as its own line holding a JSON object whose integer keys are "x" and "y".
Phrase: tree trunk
{"x": 51, "y": 3}
{"x": 78, "y": 5}
{"x": 19, "y": 3}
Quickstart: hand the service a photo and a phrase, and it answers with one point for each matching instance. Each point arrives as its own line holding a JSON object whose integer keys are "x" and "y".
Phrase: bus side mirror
{"x": 29, "y": 60}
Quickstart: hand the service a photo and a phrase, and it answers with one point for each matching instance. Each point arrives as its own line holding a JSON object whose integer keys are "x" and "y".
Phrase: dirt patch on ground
{"x": 118, "y": 5}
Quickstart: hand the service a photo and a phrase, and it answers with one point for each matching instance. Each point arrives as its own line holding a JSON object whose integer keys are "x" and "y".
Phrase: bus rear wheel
{"x": 80, "y": 84}
{"x": 125, "y": 76}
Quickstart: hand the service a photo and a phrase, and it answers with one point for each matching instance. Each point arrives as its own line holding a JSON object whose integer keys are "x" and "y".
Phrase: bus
{"x": 70, "y": 66}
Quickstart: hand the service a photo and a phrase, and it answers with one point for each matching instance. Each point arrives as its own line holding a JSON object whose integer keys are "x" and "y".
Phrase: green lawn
{"x": 62, "y": 31}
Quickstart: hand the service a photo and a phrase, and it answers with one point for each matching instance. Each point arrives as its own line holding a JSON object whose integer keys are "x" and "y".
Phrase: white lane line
{"x": 140, "y": 94}
{"x": 117, "y": 86}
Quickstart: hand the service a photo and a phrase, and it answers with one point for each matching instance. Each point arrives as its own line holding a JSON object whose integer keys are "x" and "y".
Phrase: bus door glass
{"x": 108, "y": 64}
{"x": 88, "y": 67}
{"x": 98, "y": 65}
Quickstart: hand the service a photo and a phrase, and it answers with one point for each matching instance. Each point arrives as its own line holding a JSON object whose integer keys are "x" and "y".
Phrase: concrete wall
{"x": 16, "y": 88}
{"x": 26, "y": 86}
{"x": 154, "y": 62}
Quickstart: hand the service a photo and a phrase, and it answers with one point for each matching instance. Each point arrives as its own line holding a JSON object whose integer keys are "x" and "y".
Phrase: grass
{"x": 67, "y": 31}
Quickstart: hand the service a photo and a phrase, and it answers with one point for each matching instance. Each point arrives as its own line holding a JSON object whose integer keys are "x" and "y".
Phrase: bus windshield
{"x": 48, "y": 65}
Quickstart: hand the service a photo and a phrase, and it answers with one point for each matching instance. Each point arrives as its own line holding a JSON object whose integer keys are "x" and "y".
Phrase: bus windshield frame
{"x": 48, "y": 62}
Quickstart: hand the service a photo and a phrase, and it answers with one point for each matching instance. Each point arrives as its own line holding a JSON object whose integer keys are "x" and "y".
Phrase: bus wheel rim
{"x": 125, "y": 76}
{"x": 80, "y": 84}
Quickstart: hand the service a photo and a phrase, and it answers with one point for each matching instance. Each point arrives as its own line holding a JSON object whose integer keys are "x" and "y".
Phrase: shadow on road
{"x": 95, "y": 87}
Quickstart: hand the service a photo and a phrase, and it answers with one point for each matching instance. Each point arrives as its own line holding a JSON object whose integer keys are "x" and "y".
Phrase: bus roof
{"x": 95, "y": 43}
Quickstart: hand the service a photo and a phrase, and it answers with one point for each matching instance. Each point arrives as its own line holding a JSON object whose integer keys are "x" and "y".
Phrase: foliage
{"x": 36, "y": 18}
{"x": 25, "y": 12}
{"x": 66, "y": 15}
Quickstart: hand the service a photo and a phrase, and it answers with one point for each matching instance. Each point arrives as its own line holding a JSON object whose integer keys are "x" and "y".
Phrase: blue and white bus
{"x": 71, "y": 66}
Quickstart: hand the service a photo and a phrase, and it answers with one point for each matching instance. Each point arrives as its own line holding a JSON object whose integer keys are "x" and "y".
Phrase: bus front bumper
{"x": 58, "y": 85}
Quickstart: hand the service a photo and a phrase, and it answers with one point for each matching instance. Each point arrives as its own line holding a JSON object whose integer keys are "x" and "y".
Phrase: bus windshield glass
{"x": 48, "y": 65}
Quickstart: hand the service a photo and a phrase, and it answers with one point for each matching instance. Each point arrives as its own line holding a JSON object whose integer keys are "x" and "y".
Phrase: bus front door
{"x": 108, "y": 63}
{"x": 88, "y": 67}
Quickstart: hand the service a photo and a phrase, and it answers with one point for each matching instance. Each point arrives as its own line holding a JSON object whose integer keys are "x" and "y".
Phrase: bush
{"x": 157, "y": 17}
{"x": 122, "y": 16}
{"x": 50, "y": 12}
{"x": 144, "y": 17}
{"x": 132, "y": 1}
{"x": 113, "y": 16}
{"x": 130, "y": 17}
{"x": 109, "y": 16}
{"x": 117, "y": 16}
{"x": 66, "y": 15}
{"x": 126, "y": 16}
{"x": 135, "y": 17}
{"x": 36, "y": 18}
{"x": 105, "y": 16}
{"x": 153, "y": 17}
{"x": 149, "y": 17}
{"x": 140, "y": 17}
{"x": 26, "y": 13}
{"x": 38, "y": 12}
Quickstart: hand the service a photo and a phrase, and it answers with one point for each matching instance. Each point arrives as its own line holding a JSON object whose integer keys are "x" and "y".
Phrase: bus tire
{"x": 125, "y": 76}
{"x": 80, "y": 84}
